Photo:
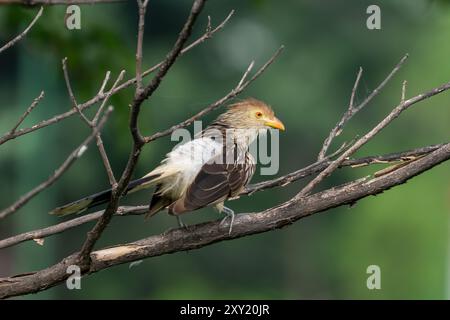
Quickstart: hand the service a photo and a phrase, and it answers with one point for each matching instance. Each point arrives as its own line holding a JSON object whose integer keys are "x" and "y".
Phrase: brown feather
{"x": 213, "y": 184}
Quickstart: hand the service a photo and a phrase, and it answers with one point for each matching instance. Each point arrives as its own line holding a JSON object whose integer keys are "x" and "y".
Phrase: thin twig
{"x": 233, "y": 93}
{"x": 67, "y": 225}
{"x": 142, "y": 7}
{"x": 405, "y": 83}
{"x": 140, "y": 96}
{"x": 32, "y": 3}
{"x": 99, "y": 97}
{"x": 205, "y": 234}
{"x": 106, "y": 162}
{"x": 397, "y": 157}
{"x": 108, "y": 95}
{"x": 92, "y": 124}
{"x": 104, "y": 83}
{"x": 24, "y": 32}
{"x": 101, "y": 148}
{"x": 77, "y": 153}
{"x": 351, "y": 111}
{"x": 368, "y": 136}
{"x": 244, "y": 76}
{"x": 72, "y": 96}
{"x": 28, "y": 111}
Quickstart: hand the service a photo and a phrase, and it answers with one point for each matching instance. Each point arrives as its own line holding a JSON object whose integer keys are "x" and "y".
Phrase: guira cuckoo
{"x": 205, "y": 171}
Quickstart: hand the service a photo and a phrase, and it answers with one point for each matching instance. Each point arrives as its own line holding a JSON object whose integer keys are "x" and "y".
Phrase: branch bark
{"x": 317, "y": 167}
{"x": 211, "y": 232}
{"x": 138, "y": 142}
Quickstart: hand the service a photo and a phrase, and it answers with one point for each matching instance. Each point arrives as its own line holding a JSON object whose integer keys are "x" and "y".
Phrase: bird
{"x": 206, "y": 171}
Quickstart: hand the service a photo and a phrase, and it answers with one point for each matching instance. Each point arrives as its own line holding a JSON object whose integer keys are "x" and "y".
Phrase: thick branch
{"x": 140, "y": 96}
{"x": 317, "y": 167}
{"x": 211, "y": 232}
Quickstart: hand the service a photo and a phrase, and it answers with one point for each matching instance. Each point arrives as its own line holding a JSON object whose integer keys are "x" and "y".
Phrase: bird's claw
{"x": 229, "y": 214}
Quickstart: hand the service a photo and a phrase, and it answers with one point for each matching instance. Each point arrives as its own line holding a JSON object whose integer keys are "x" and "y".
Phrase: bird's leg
{"x": 180, "y": 223}
{"x": 229, "y": 213}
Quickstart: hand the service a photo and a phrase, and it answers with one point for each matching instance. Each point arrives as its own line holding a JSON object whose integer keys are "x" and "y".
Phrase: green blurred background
{"x": 405, "y": 230}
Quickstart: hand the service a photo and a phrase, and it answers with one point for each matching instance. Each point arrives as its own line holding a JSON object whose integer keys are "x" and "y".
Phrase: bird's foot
{"x": 180, "y": 223}
{"x": 229, "y": 214}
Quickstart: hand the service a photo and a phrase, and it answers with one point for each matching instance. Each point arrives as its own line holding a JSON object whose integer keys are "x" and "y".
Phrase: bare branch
{"x": 405, "y": 83}
{"x": 397, "y": 157}
{"x": 245, "y": 75}
{"x": 142, "y": 7}
{"x": 362, "y": 141}
{"x": 104, "y": 83}
{"x": 24, "y": 33}
{"x": 28, "y": 111}
{"x": 72, "y": 96}
{"x": 101, "y": 148}
{"x": 233, "y": 93}
{"x": 108, "y": 95}
{"x": 321, "y": 165}
{"x": 351, "y": 111}
{"x": 101, "y": 97}
{"x": 77, "y": 153}
{"x": 138, "y": 142}
{"x": 66, "y": 225}
{"x": 32, "y": 3}
{"x": 241, "y": 86}
{"x": 105, "y": 160}
{"x": 211, "y": 232}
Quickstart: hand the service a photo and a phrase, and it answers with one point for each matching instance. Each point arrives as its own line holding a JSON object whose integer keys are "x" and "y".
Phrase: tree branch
{"x": 352, "y": 110}
{"x": 24, "y": 33}
{"x": 204, "y": 234}
{"x": 77, "y": 153}
{"x": 317, "y": 167}
{"x": 140, "y": 96}
{"x": 32, "y": 3}
{"x": 101, "y": 95}
{"x": 28, "y": 111}
{"x": 368, "y": 136}
{"x": 233, "y": 93}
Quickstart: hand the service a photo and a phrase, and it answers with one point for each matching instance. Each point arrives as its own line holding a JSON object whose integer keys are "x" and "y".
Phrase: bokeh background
{"x": 405, "y": 230}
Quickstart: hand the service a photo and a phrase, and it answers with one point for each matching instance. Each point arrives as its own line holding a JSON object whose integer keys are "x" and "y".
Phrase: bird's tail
{"x": 104, "y": 196}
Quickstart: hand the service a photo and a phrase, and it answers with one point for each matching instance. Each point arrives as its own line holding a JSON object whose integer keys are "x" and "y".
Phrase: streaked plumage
{"x": 205, "y": 171}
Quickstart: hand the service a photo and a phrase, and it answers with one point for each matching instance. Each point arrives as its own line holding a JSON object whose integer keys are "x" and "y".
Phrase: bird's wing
{"x": 213, "y": 184}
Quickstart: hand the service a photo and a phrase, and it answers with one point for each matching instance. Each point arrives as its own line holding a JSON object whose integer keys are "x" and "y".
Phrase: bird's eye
{"x": 258, "y": 114}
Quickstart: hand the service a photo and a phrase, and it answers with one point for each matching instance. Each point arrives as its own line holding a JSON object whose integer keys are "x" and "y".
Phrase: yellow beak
{"x": 275, "y": 123}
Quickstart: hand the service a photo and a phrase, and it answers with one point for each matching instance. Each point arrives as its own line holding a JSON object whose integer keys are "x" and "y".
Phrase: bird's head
{"x": 251, "y": 114}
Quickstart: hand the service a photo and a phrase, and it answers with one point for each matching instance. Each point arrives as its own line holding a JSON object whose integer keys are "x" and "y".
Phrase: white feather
{"x": 182, "y": 165}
